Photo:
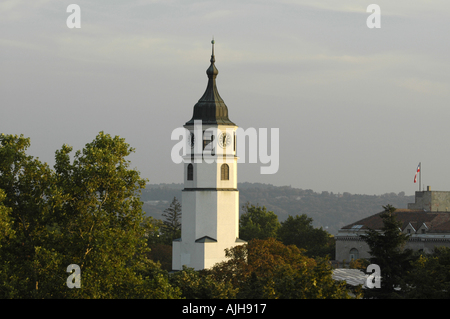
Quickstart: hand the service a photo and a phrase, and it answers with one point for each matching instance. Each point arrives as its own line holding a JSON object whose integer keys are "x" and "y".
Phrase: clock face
{"x": 191, "y": 140}
{"x": 224, "y": 139}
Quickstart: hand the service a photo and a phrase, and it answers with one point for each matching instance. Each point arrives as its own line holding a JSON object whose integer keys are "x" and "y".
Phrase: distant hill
{"x": 328, "y": 210}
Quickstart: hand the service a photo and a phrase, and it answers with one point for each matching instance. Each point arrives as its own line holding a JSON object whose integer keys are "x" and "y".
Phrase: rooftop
{"x": 435, "y": 222}
{"x": 211, "y": 108}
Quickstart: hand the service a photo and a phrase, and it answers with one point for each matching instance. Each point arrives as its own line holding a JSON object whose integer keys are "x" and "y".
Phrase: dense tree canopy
{"x": 202, "y": 285}
{"x": 85, "y": 212}
{"x": 268, "y": 269}
{"x": 429, "y": 276}
{"x": 299, "y": 231}
{"x": 257, "y": 223}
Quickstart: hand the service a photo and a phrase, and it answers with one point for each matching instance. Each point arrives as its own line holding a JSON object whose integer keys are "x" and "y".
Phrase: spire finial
{"x": 212, "y": 70}
{"x": 213, "y": 59}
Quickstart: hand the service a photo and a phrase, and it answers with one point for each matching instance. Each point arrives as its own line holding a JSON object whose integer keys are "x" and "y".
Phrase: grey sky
{"x": 357, "y": 108}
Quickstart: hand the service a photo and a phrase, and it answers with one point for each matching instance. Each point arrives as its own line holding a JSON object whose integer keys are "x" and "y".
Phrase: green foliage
{"x": 162, "y": 254}
{"x": 86, "y": 212}
{"x": 387, "y": 251}
{"x": 30, "y": 198}
{"x": 153, "y": 233}
{"x": 160, "y": 251}
{"x": 201, "y": 285}
{"x": 163, "y": 233}
{"x": 360, "y": 264}
{"x": 6, "y": 222}
{"x": 171, "y": 228}
{"x": 270, "y": 270}
{"x": 257, "y": 223}
{"x": 429, "y": 277}
{"x": 299, "y": 231}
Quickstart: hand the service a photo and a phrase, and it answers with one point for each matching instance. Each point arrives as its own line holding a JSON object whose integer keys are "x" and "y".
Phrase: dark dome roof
{"x": 211, "y": 109}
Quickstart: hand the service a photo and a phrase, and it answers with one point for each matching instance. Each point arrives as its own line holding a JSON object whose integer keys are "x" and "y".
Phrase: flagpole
{"x": 420, "y": 176}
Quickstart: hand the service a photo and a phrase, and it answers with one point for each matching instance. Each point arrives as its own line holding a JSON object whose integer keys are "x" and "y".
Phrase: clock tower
{"x": 210, "y": 198}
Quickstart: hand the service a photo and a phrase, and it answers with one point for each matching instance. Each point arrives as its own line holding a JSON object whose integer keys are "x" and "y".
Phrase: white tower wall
{"x": 210, "y": 199}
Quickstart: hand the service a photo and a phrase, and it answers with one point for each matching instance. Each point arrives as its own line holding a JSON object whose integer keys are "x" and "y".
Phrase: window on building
{"x": 190, "y": 172}
{"x": 224, "y": 172}
{"x": 354, "y": 254}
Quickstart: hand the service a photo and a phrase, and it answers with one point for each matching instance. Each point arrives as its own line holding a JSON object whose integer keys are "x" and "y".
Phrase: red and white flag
{"x": 415, "y": 176}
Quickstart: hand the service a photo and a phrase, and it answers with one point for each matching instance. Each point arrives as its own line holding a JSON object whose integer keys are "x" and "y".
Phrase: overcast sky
{"x": 357, "y": 108}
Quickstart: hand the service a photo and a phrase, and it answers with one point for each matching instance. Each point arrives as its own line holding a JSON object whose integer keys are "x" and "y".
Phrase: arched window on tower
{"x": 224, "y": 172}
{"x": 190, "y": 172}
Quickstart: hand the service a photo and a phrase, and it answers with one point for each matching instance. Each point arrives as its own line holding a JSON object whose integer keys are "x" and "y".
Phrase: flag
{"x": 418, "y": 170}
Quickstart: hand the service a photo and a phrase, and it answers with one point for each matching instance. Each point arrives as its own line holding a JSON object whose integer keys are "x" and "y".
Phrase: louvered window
{"x": 225, "y": 172}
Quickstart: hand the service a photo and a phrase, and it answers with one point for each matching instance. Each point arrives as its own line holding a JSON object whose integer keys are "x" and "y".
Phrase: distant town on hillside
{"x": 328, "y": 210}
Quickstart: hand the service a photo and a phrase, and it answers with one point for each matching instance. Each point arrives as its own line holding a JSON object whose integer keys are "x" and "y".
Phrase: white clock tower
{"x": 210, "y": 198}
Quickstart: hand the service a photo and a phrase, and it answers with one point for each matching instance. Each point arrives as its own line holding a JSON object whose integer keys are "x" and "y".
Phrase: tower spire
{"x": 211, "y": 108}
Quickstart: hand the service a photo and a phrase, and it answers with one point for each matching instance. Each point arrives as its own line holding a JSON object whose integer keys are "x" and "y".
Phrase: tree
{"x": 429, "y": 276}
{"x": 299, "y": 231}
{"x": 172, "y": 224}
{"x": 387, "y": 251}
{"x": 201, "y": 285}
{"x": 257, "y": 223}
{"x": 162, "y": 254}
{"x": 7, "y": 234}
{"x": 28, "y": 198}
{"x": 6, "y": 223}
{"x": 271, "y": 270}
{"x": 153, "y": 233}
{"x": 87, "y": 213}
{"x": 160, "y": 251}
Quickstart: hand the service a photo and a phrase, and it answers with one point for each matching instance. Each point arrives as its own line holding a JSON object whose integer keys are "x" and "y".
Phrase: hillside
{"x": 328, "y": 210}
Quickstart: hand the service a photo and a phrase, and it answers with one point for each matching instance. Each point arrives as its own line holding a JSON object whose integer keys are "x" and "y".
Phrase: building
{"x": 427, "y": 221}
{"x": 210, "y": 198}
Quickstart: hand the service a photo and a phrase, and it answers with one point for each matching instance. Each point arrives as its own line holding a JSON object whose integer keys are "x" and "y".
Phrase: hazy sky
{"x": 357, "y": 108}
